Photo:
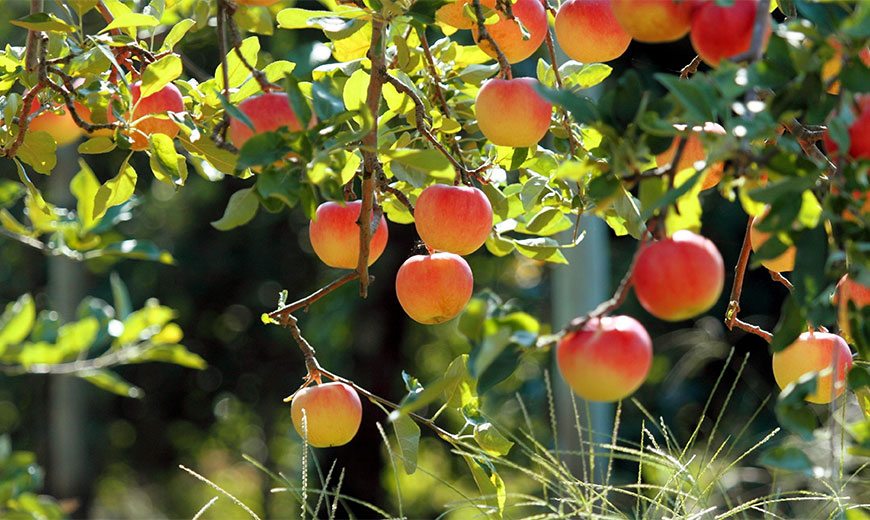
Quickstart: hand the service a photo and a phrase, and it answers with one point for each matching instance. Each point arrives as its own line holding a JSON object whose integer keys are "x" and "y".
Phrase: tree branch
{"x": 731, "y": 319}
{"x": 691, "y": 68}
{"x": 482, "y": 34}
{"x": 32, "y": 52}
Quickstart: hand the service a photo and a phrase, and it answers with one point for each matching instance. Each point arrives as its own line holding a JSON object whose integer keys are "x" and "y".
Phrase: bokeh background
{"x": 118, "y": 458}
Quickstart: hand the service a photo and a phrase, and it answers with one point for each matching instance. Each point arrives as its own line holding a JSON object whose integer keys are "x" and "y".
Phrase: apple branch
{"x": 691, "y": 68}
{"x": 566, "y": 118}
{"x": 219, "y": 133}
{"x": 31, "y": 57}
{"x": 236, "y": 40}
{"x": 807, "y": 139}
{"x": 369, "y": 149}
{"x": 503, "y": 63}
{"x": 731, "y": 319}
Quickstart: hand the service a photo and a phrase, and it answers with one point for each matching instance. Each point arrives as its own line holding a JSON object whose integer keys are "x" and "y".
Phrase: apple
{"x": 508, "y": 35}
{"x": 452, "y": 14}
{"x": 815, "y": 352}
{"x": 859, "y": 131}
{"x": 56, "y": 122}
{"x": 588, "y": 31}
{"x": 679, "y": 277}
{"x": 455, "y": 219}
{"x": 434, "y": 288}
{"x": 781, "y": 264}
{"x": 694, "y": 151}
{"x": 87, "y": 116}
{"x": 332, "y": 412}
{"x": 848, "y": 292}
{"x": 268, "y": 112}
{"x": 720, "y": 32}
{"x": 334, "y": 235}
{"x": 831, "y": 68}
{"x": 511, "y": 113}
{"x": 167, "y": 99}
{"x": 607, "y": 360}
{"x": 654, "y": 21}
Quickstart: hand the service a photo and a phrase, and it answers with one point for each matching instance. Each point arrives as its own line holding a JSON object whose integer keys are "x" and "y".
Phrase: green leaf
{"x": 461, "y": 392}
{"x": 160, "y": 73}
{"x": 39, "y": 151}
{"x": 176, "y": 33}
{"x": 408, "y": 436}
{"x": 120, "y": 297}
{"x": 175, "y": 354}
{"x": 131, "y": 19}
{"x": 295, "y": 18}
{"x": 144, "y": 323}
{"x": 167, "y": 165}
{"x": 97, "y": 145}
{"x": 241, "y": 208}
{"x": 84, "y": 187}
{"x": 419, "y": 167}
{"x": 10, "y": 192}
{"x": 672, "y": 195}
{"x": 792, "y": 323}
{"x": 491, "y": 440}
{"x": 695, "y": 97}
{"x": 77, "y": 337}
{"x": 792, "y": 411}
{"x": 43, "y": 22}
{"x": 418, "y": 400}
{"x": 236, "y": 70}
{"x": 111, "y": 382}
{"x": 17, "y": 321}
{"x": 137, "y": 249}
{"x": 787, "y": 458}
{"x": 115, "y": 191}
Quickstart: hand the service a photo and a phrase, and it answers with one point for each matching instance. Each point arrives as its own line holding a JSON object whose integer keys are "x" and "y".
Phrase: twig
{"x": 371, "y": 164}
{"x": 236, "y": 40}
{"x": 762, "y": 21}
{"x": 219, "y": 134}
{"x": 807, "y": 140}
{"x": 778, "y": 277}
{"x": 482, "y": 34}
{"x": 303, "y": 303}
{"x": 566, "y": 119}
{"x": 731, "y": 319}
{"x": 691, "y": 68}
{"x": 385, "y": 187}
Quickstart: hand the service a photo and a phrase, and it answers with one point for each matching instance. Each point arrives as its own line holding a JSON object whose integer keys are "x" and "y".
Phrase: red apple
{"x": 334, "y": 234}
{"x": 455, "y": 219}
{"x": 434, "y": 288}
{"x": 859, "y": 131}
{"x": 588, "y": 31}
{"x": 815, "y": 352}
{"x": 511, "y": 113}
{"x": 720, "y": 32}
{"x": 679, "y": 277}
{"x": 607, "y": 360}
{"x": 694, "y": 151}
{"x": 56, "y": 122}
{"x": 268, "y": 112}
{"x": 167, "y": 99}
{"x": 508, "y": 35}
{"x": 781, "y": 264}
{"x": 654, "y": 21}
{"x": 332, "y": 412}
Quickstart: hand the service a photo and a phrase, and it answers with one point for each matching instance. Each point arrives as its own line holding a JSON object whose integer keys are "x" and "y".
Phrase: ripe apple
{"x": 333, "y": 414}
{"x": 455, "y": 219}
{"x": 781, "y": 264}
{"x": 588, "y": 31}
{"x": 453, "y": 15}
{"x": 694, "y": 151}
{"x": 679, "y": 277}
{"x": 59, "y": 124}
{"x": 511, "y": 113}
{"x": 334, "y": 234}
{"x": 607, "y": 360}
{"x": 654, "y": 21}
{"x": 720, "y": 32}
{"x": 268, "y": 112}
{"x": 859, "y": 131}
{"x": 167, "y": 99}
{"x": 848, "y": 292}
{"x": 815, "y": 352}
{"x": 831, "y": 68}
{"x": 508, "y": 35}
{"x": 434, "y": 288}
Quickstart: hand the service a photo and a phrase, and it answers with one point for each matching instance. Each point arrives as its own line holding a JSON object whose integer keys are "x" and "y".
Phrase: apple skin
{"x": 62, "y": 128}
{"x": 724, "y": 32}
{"x": 849, "y": 291}
{"x": 507, "y": 33}
{"x": 268, "y": 112}
{"x": 784, "y": 263}
{"x": 693, "y": 152}
{"x": 455, "y": 219}
{"x": 859, "y": 132}
{"x": 813, "y": 352}
{"x": 588, "y": 31}
{"x": 434, "y": 288}
{"x": 511, "y": 113}
{"x": 679, "y": 277}
{"x": 167, "y": 99}
{"x": 334, "y": 235}
{"x": 607, "y": 360}
{"x": 654, "y": 21}
{"x": 452, "y": 15}
{"x": 333, "y": 414}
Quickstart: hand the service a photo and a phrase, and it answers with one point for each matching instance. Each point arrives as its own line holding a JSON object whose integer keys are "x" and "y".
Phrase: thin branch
{"x": 369, "y": 149}
{"x": 807, "y": 139}
{"x": 691, "y": 68}
{"x": 762, "y": 22}
{"x": 731, "y": 319}
{"x": 303, "y": 303}
{"x": 778, "y": 277}
{"x": 42, "y": 246}
{"x": 236, "y": 41}
{"x": 566, "y": 118}
{"x": 219, "y": 134}
{"x": 482, "y": 34}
